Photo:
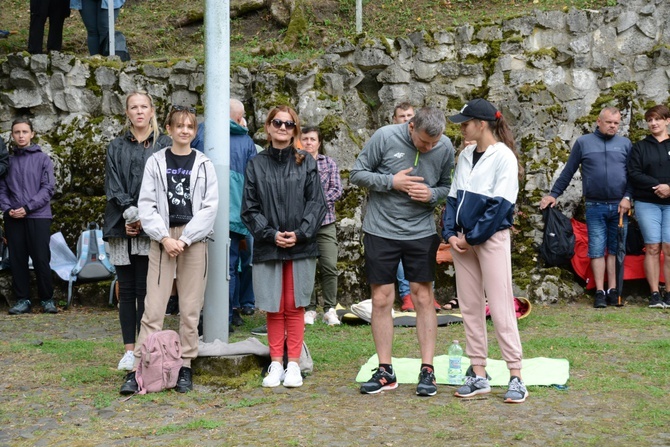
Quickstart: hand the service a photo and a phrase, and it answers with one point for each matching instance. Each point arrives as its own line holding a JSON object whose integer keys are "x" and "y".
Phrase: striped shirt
{"x": 331, "y": 184}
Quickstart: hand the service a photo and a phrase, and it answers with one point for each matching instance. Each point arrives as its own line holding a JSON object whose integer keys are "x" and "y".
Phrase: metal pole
{"x": 110, "y": 17}
{"x": 217, "y": 148}
{"x": 359, "y": 16}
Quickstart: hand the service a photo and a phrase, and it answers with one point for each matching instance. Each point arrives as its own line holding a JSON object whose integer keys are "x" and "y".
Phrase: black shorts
{"x": 383, "y": 255}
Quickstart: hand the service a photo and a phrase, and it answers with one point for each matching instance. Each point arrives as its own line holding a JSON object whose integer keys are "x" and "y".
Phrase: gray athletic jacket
{"x": 391, "y": 214}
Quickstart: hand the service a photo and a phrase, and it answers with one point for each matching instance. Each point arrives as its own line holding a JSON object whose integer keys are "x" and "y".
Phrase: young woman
{"x": 129, "y": 245}
{"x": 480, "y": 210}
{"x": 25, "y": 199}
{"x": 649, "y": 173}
{"x": 178, "y": 202}
{"x": 283, "y": 207}
{"x": 326, "y": 237}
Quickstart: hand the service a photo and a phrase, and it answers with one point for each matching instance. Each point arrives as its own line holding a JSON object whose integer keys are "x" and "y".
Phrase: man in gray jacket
{"x": 406, "y": 168}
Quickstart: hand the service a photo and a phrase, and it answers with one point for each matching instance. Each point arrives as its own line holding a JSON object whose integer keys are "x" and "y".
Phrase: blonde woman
{"x": 129, "y": 245}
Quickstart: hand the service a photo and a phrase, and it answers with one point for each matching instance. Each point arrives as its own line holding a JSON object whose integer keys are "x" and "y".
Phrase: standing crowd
{"x": 162, "y": 200}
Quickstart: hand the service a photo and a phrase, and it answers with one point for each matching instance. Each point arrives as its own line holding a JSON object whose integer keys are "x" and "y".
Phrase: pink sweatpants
{"x": 485, "y": 272}
{"x": 287, "y": 324}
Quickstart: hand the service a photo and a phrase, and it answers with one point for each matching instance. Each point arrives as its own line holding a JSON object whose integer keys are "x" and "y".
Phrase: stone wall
{"x": 549, "y": 72}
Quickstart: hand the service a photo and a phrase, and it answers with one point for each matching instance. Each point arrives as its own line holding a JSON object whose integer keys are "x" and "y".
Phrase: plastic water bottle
{"x": 455, "y": 373}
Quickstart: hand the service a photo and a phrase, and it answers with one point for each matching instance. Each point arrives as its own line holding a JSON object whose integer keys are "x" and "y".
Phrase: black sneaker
{"x": 600, "y": 300}
{"x": 130, "y": 385}
{"x": 427, "y": 385}
{"x": 613, "y": 298}
{"x": 654, "y": 301}
{"x": 666, "y": 299}
{"x": 263, "y": 330}
{"x": 172, "y": 307}
{"x": 49, "y": 307}
{"x": 21, "y": 307}
{"x": 185, "y": 380}
{"x": 248, "y": 310}
{"x": 380, "y": 381}
{"x": 237, "y": 318}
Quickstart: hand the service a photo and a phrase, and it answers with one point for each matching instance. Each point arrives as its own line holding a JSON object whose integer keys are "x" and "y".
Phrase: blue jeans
{"x": 234, "y": 259}
{"x": 96, "y": 21}
{"x": 602, "y": 223}
{"x": 654, "y": 220}
{"x": 245, "y": 291}
{"x": 403, "y": 284}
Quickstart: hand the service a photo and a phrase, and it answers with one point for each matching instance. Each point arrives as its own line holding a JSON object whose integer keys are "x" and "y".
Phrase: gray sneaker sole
{"x": 474, "y": 393}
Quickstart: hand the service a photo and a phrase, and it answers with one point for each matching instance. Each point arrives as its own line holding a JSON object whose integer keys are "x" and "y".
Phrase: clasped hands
{"x": 412, "y": 185}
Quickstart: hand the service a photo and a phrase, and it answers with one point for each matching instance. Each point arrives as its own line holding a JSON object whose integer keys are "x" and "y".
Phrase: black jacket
{"x": 124, "y": 168}
{"x": 280, "y": 195}
{"x": 648, "y": 166}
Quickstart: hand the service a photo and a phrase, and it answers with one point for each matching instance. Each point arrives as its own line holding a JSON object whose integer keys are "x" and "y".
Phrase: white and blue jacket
{"x": 481, "y": 199}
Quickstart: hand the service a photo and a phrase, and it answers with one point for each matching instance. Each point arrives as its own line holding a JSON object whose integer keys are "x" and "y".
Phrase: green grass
{"x": 153, "y": 30}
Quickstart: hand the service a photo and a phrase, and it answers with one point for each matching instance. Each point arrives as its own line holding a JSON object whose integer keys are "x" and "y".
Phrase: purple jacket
{"x": 29, "y": 183}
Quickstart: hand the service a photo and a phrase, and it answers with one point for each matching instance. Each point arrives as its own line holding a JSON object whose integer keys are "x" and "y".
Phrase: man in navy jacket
{"x": 603, "y": 156}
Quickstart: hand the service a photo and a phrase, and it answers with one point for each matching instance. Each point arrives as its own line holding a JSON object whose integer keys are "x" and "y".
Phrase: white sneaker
{"x": 310, "y": 316}
{"x": 275, "y": 375}
{"x": 292, "y": 377}
{"x": 330, "y": 317}
{"x": 127, "y": 361}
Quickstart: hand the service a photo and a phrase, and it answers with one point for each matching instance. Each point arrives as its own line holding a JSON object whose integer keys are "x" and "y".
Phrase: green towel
{"x": 541, "y": 371}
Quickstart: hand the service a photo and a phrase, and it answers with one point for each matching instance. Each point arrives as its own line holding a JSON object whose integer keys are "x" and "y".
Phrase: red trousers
{"x": 287, "y": 325}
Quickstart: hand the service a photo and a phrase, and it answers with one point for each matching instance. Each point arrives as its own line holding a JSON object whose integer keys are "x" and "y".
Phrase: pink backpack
{"x": 160, "y": 362}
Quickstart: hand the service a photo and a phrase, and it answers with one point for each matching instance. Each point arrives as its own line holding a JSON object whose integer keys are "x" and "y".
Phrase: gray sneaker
{"x": 473, "y": 386}
{"x": 516, "y": 391}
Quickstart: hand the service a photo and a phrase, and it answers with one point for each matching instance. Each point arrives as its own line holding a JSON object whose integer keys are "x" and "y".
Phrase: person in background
{"x": 95, "y": 15}
{"x": 41, "y": 10}
{"x": 283, "y": 208}
{"x": 603, "y": 156}
{"x": 327, "y": 236}
{"x": 242, "y": 150}
{"x": 178, "y": 203}
{"x": 649, "y": 175}
{"x": 25, "y": 200}
{"x": 129, "y": 246}
{"x": 407, "y": 170}
{"x": 479, "y": 213}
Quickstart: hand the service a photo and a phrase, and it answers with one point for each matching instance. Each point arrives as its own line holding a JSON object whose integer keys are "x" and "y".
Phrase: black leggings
{"x": 132, "y": 290}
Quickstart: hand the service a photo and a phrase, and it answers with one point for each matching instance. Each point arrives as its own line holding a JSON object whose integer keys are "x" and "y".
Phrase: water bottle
{"x": 455, "y": 374}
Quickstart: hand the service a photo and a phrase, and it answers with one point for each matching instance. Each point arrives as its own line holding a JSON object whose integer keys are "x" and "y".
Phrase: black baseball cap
{"x": 479, "y": 109}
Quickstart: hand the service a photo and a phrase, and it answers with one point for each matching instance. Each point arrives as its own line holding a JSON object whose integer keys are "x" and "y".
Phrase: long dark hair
{"x": 503, "y": 133}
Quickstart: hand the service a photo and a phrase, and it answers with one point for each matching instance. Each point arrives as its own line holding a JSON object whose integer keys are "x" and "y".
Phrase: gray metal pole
{"x": 217, "y": 148}
{"x": 110, "y": 17}
{"x": 359, "y": 16}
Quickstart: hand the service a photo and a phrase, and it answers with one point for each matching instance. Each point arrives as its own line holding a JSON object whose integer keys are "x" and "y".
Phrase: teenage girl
{"x": 25, "y": 199}
{"x": 178, "y": 203}
{"x": 480, "y": 211}
{"x": 283, "y": 207}
{"x": 129, "y": 245}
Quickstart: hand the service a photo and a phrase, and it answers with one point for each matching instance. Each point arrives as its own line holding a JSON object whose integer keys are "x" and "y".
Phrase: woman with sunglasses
{"x": 649, "y": 173}
{"x": 283, "y": 207}
{"x": 178, "y": 202}
{"x": 128, "y": 244}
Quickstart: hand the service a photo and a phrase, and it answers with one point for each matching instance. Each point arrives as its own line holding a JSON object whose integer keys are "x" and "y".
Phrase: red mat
{"x": 633, "y": 265}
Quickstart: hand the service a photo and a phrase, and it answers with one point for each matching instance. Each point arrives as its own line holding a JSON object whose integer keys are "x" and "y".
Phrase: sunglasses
{"x": 182, "y": 108}
{"x": 278, "y": 123}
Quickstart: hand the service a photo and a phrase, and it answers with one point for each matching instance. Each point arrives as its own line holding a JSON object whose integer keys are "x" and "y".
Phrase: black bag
{"x": 558, "y": 242}
{"x": 634, "y": 239}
